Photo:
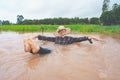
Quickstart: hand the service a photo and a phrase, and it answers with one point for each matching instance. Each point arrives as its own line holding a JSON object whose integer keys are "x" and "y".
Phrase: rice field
{"x": 51, "y": 28}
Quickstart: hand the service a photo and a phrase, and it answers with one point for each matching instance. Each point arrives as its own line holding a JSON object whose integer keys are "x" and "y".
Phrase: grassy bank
{"x": 51, "y": 28}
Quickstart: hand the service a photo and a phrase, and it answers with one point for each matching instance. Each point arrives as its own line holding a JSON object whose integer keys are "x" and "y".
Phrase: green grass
{"x": 51, "y": 28}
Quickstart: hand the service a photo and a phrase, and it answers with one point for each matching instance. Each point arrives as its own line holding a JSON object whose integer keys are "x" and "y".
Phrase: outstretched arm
{"x": 52, "y": 39}
{"x": 80, "y": 39}
{"x": 85, "y": 38}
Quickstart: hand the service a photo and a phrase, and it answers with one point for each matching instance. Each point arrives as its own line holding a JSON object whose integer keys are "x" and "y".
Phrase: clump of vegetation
{"x": 51, "y": 28}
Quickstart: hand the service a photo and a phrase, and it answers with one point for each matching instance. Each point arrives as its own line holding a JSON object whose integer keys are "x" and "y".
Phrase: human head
{"x": 62, "y": 31}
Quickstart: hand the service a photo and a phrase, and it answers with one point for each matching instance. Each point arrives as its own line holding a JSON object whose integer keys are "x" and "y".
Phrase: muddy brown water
{"x": 81, "y": 61}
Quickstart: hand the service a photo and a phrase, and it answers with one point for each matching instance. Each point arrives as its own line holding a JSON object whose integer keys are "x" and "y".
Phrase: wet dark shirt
{"x": 64, "y": 40}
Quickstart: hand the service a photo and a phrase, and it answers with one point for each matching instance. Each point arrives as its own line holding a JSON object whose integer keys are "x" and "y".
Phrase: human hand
{"x": 90, "y": 40}
{"x": 96, "y": 39}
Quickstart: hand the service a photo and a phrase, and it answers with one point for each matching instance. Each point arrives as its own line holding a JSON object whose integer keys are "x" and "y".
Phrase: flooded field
{"x": 80, "y": 61}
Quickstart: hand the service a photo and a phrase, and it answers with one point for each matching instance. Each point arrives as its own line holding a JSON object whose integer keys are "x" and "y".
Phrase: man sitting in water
{"x": 30, "y": 46}
{"x": 62, "y": 39}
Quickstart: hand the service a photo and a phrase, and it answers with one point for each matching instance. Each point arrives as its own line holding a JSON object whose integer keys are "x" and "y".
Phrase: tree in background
{"x": 115, "y": 6}
{"x": 83, "y": 21}
{"x": 108, "y": 18}
{"x": 19, "y": 19}
{"x": 94, "y": 20}
{"x": 57, "y": 21}
{"x": 116, "y": 12}
{"x": 0, "y": 22}
{"x": 111, "y": 17}
{"x": 6, "y": 22}
{"x": 105, "y": 6}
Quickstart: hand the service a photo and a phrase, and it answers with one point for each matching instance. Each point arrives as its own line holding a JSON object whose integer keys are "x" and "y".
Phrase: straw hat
{"x": 60, "y": 32}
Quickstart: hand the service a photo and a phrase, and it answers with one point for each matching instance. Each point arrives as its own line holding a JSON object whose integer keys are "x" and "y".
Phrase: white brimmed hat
{"x": 67, "y": 30}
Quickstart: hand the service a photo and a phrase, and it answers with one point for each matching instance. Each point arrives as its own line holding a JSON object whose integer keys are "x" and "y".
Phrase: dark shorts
{"x": 42, "y": 51}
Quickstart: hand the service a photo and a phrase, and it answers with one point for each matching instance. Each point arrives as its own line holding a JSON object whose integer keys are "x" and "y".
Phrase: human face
{"x": 62, "y": 32}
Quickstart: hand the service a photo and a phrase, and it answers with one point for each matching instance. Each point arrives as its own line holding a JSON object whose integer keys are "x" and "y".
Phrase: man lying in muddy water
{"x": 62, "y": 39}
